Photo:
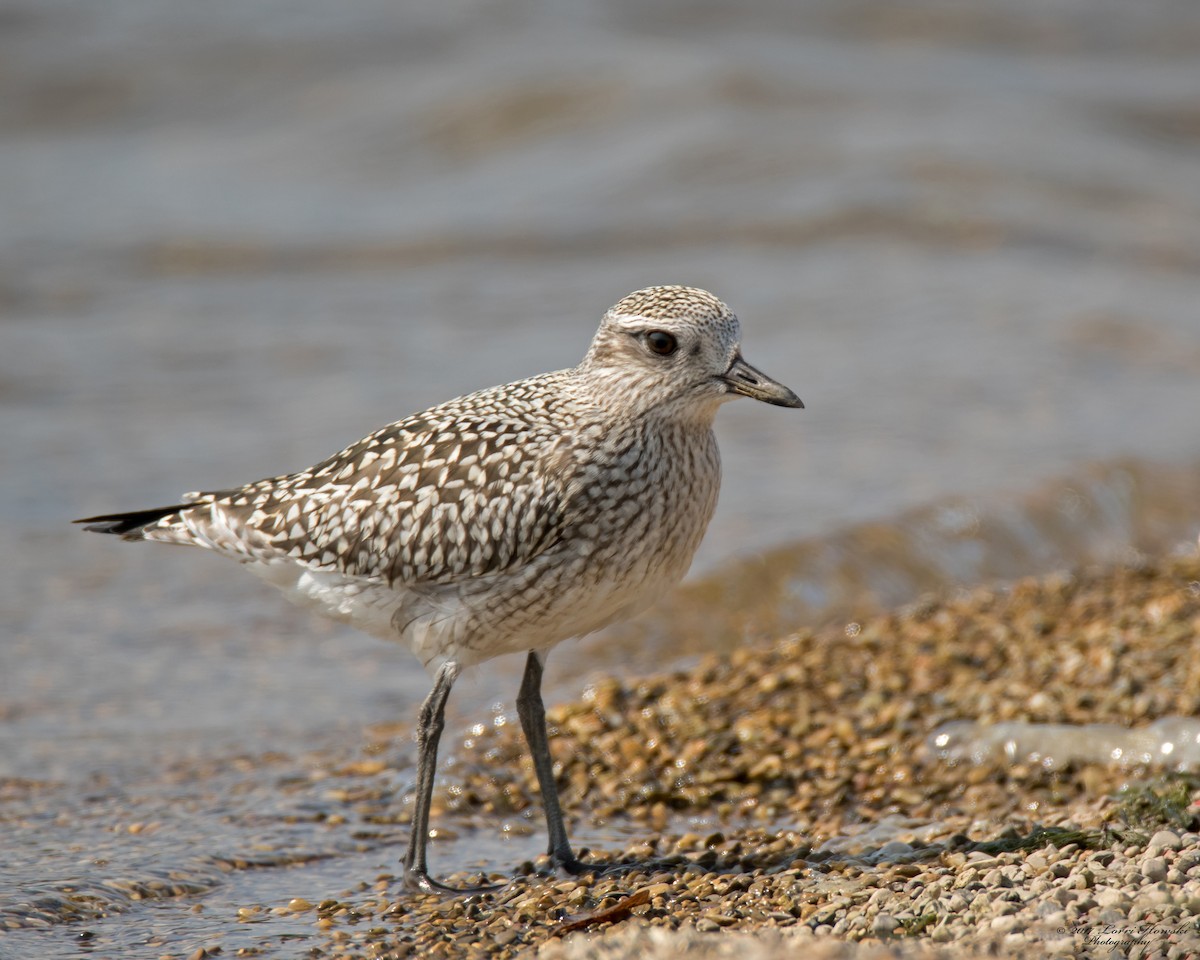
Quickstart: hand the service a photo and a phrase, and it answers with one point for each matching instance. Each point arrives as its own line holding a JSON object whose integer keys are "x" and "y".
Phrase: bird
{"x": 504, "y": 521}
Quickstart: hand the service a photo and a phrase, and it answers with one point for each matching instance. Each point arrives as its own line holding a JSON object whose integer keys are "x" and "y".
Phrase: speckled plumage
{"x": 509, "y": 519}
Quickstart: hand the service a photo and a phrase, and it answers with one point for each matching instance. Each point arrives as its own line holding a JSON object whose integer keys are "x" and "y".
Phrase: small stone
{"x": 893, "y": 850}
{"x": 995, "y": 878}
{"x": 1005, "y": 924}
{"x": 1054, "y": 919}
{"x": 1039, "y": 886}
{"x": 1187, "y": 860}
{"x": 1154, "y": 869}
{"x": 1112, "y": 898}
{"x": 1165, "y": 840}
{"x": 884, "y": 925}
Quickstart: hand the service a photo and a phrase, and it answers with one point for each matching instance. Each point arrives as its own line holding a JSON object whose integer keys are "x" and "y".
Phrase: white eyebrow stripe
{"x": 632, "y": 321}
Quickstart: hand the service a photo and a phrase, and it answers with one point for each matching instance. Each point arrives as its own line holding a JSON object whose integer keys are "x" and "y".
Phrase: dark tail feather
{"x": 129, "y": 523}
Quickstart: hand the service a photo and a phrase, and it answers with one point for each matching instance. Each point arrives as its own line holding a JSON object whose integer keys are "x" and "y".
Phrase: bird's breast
{"x": 649, "y": 507}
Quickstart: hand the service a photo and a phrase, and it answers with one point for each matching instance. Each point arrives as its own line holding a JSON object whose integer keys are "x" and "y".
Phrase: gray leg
{"x": 532, "y": 714}
{"x": 430, "y": 722}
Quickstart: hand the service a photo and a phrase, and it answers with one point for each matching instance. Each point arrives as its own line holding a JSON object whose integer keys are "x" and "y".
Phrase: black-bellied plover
{"x": 504, "y": 521}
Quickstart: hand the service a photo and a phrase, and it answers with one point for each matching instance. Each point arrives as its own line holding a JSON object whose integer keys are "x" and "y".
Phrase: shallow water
{"x": 232, "y": 240}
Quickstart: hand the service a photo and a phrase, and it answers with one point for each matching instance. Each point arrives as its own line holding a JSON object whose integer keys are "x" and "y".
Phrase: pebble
{"x": 1163, "y": 840}
{"x": 1005, "y": 924}
{"x": 894, "y": 850}
{"x": 1154, "y": 868}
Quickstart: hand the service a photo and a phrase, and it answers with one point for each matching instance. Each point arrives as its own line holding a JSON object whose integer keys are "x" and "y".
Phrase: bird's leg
{"x": 532, "y": 714}
{"x": 430, "y": 723}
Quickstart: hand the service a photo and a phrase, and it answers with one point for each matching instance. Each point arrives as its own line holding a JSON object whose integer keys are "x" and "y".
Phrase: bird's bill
{"x": 749, "y": 382}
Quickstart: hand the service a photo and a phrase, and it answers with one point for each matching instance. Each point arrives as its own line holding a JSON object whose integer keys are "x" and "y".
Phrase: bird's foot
{"x": 574, "y": 866}
{"x": 568, "y": 864}
{"x": 419, "y": 881}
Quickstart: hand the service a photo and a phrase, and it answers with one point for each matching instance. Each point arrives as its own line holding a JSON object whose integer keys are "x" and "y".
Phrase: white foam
{"x": 1170, "y": 741}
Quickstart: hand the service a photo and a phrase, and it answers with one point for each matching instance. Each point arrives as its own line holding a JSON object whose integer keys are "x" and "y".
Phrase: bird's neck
{"x": 624, "y": 395}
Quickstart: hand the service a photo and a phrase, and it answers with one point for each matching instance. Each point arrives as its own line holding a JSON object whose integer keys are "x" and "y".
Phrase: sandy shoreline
{"x": 824, "y": 735}
{"x": 833, "y": 823}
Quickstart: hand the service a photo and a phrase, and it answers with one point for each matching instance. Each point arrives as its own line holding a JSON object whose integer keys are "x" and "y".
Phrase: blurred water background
{"x": 234, "y": 237}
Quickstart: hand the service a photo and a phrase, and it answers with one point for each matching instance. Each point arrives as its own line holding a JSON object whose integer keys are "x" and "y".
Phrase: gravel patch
{"x": 841, "y": 834}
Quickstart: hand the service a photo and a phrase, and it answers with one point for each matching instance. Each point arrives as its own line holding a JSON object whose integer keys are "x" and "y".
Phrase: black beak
{"x": 744, "y": 379}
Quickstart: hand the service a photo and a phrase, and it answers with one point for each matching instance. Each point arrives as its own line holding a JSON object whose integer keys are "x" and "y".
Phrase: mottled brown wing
{"x": 435, "y": 498}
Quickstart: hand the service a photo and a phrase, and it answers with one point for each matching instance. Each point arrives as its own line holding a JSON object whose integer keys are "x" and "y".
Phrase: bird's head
{"x": 676, "y": 350}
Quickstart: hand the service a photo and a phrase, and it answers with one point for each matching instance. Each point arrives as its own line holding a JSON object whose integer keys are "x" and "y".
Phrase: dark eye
{"x": 661, "y": 342}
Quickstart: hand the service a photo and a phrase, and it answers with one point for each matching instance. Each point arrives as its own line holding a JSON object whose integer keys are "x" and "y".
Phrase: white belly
{"x": 429, "y": 624}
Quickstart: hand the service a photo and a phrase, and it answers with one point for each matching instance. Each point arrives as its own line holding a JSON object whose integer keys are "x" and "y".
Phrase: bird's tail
{"x": 131, "y": 525}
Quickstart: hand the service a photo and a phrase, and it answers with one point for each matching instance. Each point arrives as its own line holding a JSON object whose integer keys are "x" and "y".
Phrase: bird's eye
{"x": 661, "y": 342}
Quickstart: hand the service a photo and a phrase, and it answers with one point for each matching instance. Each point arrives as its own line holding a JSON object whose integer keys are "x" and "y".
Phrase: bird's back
{"x": 455, "y": 492}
